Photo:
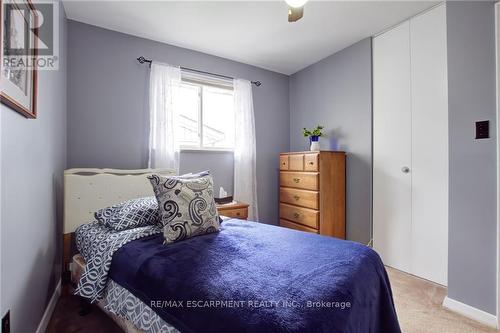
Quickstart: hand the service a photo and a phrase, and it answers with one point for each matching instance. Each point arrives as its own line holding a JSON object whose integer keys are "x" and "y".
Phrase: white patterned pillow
{"x": 133, "y": 213}
{"x": 186, "y": 206}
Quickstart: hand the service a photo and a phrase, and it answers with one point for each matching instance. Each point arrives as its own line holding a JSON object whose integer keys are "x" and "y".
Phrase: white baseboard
{"x": 470, "y": 312}
{"x": 42, "y": 327}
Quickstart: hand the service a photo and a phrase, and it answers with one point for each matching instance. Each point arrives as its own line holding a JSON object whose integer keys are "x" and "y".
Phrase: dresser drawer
{"x": 302, "y": 180}
{"x": 238, "y": 213}
{"x": 311, "y": 162}
{"x": 304, "y": 216}
{"x": 296, "y": 162}
{"x": 304, "y": 198}
{"x": 295, "y": 226}
{"x": 283, "y": 162}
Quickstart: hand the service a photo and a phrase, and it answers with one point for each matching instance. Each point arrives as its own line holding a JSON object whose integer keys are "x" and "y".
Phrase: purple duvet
{"x": 252, "y": 277}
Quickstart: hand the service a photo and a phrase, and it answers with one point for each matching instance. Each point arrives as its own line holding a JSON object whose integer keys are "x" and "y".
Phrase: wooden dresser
{"x": 312, "y": 192}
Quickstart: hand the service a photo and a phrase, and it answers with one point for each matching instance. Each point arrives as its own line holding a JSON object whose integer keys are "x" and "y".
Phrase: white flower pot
{"x": 314, "y": 146}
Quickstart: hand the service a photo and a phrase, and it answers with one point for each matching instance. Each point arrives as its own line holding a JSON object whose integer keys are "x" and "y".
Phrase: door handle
{"x": 405, "y": 169}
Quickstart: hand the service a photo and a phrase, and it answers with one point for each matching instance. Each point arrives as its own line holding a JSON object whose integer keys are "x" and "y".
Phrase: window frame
{"x": 200, "y": 83}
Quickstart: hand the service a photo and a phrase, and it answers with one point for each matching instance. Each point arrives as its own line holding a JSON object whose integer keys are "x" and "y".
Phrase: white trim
{"x": 470, "y": 312}
{"x": 42, "y": 327}
{"x": 206, "y": 79}
{"x": 206, "y": 150}
{"x": 497, "y": 78}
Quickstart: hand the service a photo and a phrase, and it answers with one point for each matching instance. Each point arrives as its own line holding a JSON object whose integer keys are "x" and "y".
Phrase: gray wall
{"x": 337, "y": 93}
{"x": 32, "y": 164}
{"x": 108, "y": 115}
{"x": 471, "y": 85}
{"x": 219, "y": 163}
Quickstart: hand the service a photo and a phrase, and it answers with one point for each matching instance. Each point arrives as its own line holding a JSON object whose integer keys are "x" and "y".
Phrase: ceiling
{"x": 255, "y": 33}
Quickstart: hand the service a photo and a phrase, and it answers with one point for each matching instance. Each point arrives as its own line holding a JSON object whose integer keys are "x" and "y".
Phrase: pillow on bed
{"x": 130, "y": 214}
{"x": 186, "y": 206}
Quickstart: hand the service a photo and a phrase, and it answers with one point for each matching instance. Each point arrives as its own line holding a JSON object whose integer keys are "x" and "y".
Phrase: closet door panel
{"x": 391, "y": 147}
{"x": 429, "y": 146}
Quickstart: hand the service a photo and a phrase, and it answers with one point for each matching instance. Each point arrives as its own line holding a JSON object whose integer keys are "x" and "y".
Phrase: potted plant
{"x": 313, "y": 136}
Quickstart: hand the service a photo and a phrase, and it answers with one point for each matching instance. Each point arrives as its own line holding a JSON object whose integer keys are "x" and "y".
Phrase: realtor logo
{"x": 30, "y": 34}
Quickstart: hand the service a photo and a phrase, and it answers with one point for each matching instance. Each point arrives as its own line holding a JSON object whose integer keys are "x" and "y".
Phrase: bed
{"x": 249, "y": 277}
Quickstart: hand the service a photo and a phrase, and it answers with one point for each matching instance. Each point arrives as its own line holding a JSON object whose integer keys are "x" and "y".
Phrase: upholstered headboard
{"x": 88, "y": 190}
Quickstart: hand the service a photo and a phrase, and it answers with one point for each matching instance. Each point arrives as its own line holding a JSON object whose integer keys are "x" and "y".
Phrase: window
{"x": 206, "y": 117}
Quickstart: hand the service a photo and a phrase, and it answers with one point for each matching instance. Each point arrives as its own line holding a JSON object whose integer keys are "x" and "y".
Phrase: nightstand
{"x": 237, "y": 210}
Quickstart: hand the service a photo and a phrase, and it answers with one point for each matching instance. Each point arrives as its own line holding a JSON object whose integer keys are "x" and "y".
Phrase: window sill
{"x": 207, "y": 150}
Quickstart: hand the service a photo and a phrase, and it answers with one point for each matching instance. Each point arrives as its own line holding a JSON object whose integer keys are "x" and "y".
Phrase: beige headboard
{"x": 88, "y": 190}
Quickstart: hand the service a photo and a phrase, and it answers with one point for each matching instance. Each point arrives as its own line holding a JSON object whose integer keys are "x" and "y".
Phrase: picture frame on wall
{"x": 18, "y": 77}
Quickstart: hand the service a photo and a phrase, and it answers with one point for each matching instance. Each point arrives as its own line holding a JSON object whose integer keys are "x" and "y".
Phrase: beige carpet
{"x": 418, "y": 304}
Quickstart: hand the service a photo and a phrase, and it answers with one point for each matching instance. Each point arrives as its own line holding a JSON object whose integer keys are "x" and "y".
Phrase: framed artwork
{"x": 18, "y": 82}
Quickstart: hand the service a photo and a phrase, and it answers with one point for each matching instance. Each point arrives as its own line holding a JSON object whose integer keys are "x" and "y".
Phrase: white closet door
{"x": 429, "y": 146}
{"x": 392, "y": 147}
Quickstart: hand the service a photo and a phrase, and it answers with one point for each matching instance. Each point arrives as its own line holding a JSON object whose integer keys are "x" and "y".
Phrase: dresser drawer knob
{"x": 311, "y": 163}
{"x": 296, "y": 197}
{"x": 296, "y": 180}
{"x": 296, "y": 215}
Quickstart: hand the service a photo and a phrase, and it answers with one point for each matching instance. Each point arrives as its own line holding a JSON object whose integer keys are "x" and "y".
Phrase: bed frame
{"x": 88, "y": 190}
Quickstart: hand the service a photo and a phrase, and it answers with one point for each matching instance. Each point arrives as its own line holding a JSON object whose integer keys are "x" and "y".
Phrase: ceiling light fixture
{"x": 296, "y": 3}
{"x": 295, "y": 10}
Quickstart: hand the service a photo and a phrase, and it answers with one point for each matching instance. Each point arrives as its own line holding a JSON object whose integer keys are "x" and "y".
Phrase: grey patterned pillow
{"x": 129, "y": 214}
{"x": 186, "y": 206}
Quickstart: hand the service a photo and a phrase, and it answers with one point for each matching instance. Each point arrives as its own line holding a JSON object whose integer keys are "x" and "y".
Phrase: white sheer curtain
{"x": 164, "y": 85}
{"x": 245, "y": 176}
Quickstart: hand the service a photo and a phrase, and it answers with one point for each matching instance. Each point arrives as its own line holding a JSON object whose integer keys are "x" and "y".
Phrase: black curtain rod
{"x": 143, "y": 60}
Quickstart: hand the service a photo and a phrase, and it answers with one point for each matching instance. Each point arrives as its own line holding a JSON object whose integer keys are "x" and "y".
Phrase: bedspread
{"x": 252, "y": 277}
